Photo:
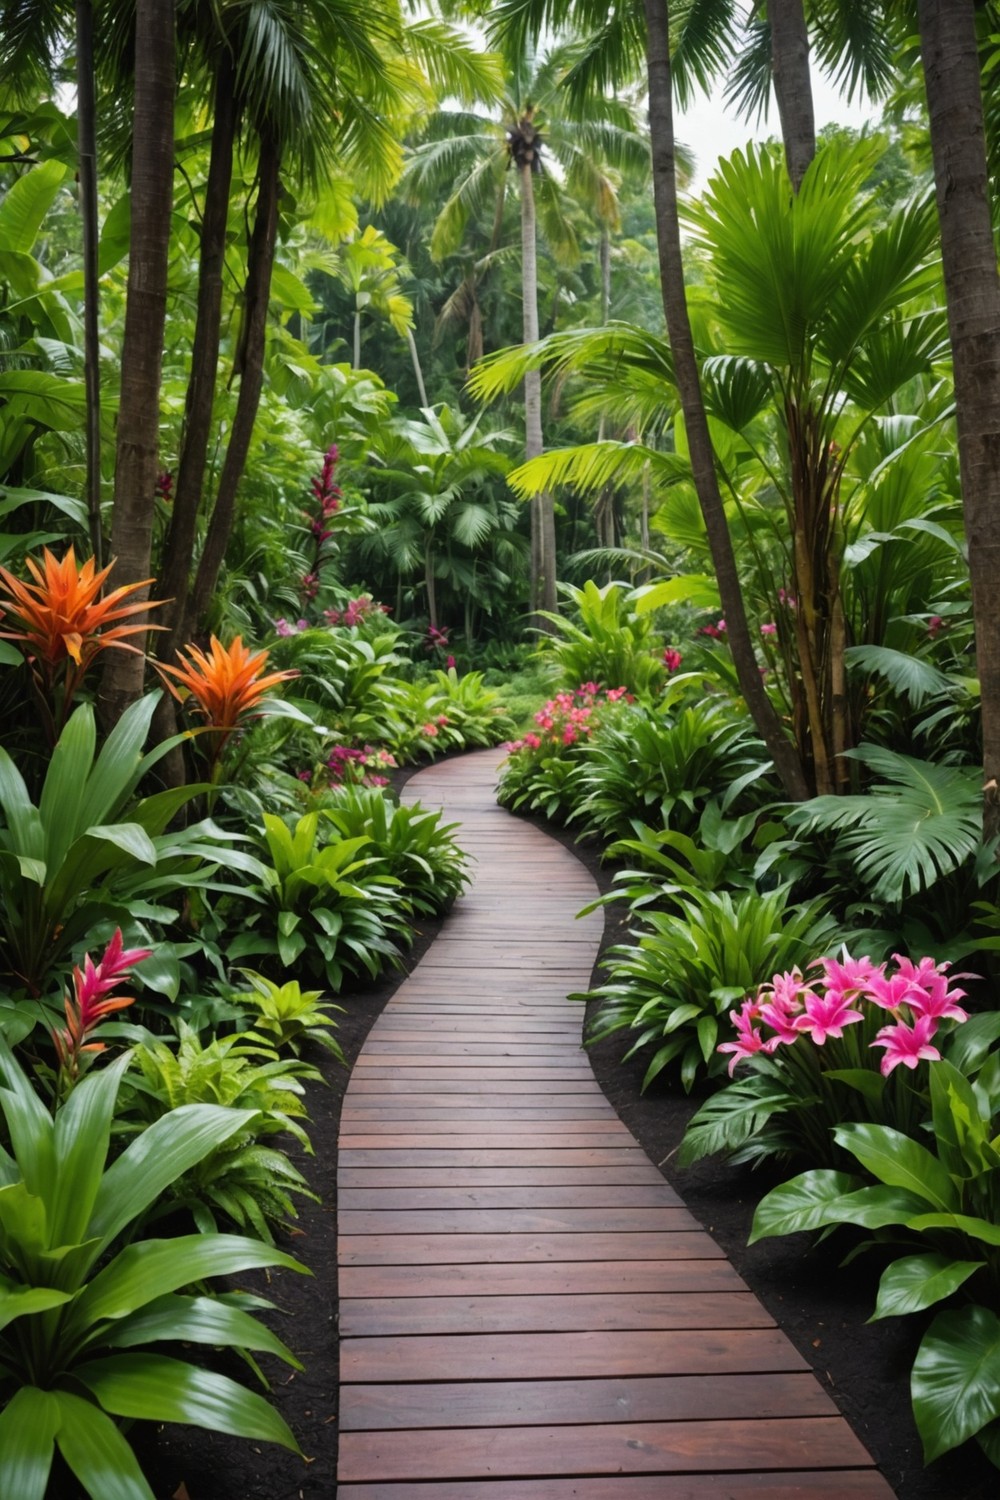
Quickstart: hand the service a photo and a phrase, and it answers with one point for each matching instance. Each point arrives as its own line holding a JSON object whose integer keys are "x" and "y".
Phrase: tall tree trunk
{"x": 543, "y": 524}
{"x": 605, "y": 274}
{"x": 250, "y": 357}
{"x": 430, "y": 583}
{"x": 179, "y": 549}
{"x": 136, "y": 459}
{"x": 357, "y": 338}
{"x": 792, "y": 84}
{"x": 418, "y": 372}
{"x": 87, "y": 160}
{"x": 972, "y": 292}
{"x": 661, "y": 129}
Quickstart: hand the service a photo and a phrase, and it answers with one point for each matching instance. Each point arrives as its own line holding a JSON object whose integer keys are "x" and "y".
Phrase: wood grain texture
{"x": 528, "y": 1311}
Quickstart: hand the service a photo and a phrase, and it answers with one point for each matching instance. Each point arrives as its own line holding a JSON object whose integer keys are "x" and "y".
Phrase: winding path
{"x": 528, "y": 1311}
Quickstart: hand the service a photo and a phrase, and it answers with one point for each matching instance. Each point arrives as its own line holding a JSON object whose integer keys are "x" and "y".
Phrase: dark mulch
{"x": 822, "y": 1308}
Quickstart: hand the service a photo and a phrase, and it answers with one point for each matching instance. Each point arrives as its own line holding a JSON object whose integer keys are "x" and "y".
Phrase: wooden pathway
{"x": 528, "y": 1311}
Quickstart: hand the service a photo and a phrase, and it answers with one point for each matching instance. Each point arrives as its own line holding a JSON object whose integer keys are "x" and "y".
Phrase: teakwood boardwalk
{"x": 528, "y": 1310}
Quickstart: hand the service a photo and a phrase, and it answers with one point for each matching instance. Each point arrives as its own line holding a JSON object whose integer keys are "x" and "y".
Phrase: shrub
{"x": 612, "y": 644}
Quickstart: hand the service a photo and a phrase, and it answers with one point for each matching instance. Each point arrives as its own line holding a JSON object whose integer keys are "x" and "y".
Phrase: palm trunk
{"x": 87, "y": 160}
{"x": 972, "y": 291}
{"x": 792, "y": 85}
{"x": 418, "y": 372}
{"x": 357, "y": 338}
{"x": 543, "y": 526}
{"x": 661, "y": 128}
{"x": 136, "y": 459}
{"x": 260, "y": 261}
{"x": 179, "y": 548}
{"x": 429, "y": 582}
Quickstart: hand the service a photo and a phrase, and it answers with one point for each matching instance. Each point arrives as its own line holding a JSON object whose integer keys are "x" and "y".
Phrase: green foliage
{"x": 664, "y": 764}
{"x": 68, "y": 863}
{"x": 247, "y": 1183}
{"x": 410, "y": 843}
{"x": 288, "y": 1015}
{"x": 945, "y": 1196}
{"x": 72, "y": 1351}
{"x": 611, "y": 643}
{"x": 688, "y": 969}
{"x": 319, "y": 906}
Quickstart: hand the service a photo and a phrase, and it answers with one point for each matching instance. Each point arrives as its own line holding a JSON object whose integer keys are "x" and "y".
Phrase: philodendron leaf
{"x": 897, "y": 1160}
{"x": 955, "y": 1382}
{"x": 28, "y": 1425}
{"x": 170, "y": 1390}
{"x": 803, "y": 1203}
{"x": 989, "y": 1440}
{"x": 918, "y": 1281}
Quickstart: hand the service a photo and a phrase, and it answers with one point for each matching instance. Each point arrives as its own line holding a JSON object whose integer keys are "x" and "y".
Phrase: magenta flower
{"x": 907, "y": 1044}
{"x": 781, "y": 1002}
{"x": 826, "y": 1015}
{"x": 749, "y": 1038}
{"x": 672, "y": 659}
{"x": 849, "y": 976}
{"x": 769, "y": 629}
{"x": 89, "y": 1004}
{"x": 929, "y": 994}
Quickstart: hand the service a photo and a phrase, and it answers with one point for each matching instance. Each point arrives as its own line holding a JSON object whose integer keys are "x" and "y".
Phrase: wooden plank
{"x": 483, "y": 1221}
{"x": 495, "y": 1156}
{"x": 554, "y": 1403}
{"x": 393, "y": 1316}
{"x": 453, "y": 1249}
{"x": 542, "y": 1138}
{"x": 564, "y": 1356}
{"x": 626, "y": 1448}
{"x": 842, "y": 1484}
{"x": 545, "y": 1278}
{"x": 614, "y": 1198}
{"x": 471, "y": 1083}
{"x": 418, "y": 1175}
{"x": 423, "y": 1112}
{"x": 400, "y": 1068}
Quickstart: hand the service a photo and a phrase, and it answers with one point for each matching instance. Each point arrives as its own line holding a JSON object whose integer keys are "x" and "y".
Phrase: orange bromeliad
{"x": 226, "y": 684}
{"x": 64, "y": 623}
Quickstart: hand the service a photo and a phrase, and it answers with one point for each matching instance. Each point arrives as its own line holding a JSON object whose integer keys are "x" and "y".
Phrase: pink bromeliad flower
{"x": 826, "y": 1015}
{"x": 847, "y": 976}
{"x": 89, "y": 1003}
{"x": 929, "y": 994}
{"x": 780, "y": 1003}
{"x": 907, "y": 1044}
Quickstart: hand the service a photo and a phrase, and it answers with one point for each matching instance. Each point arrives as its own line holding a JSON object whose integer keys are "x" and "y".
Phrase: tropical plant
{"x": 79, "y": 1305}
{"x": 86, "y": 852}
{"x": 608, "y": 642}
{"x": 320, "y": 905}
{"x": 809, "y": 1043}
{"x": 541, "y": 771}
{"x": 941, "y": 1198}
{"x": 64, "y": 624}
{"x": 666, "y": 762}
{"x": 288, "y": 1015}
{"x": 685, "y": 970}
{"x": 87, "y": 1007}
{"x": 225, "y": 687}
{"x": 246, "y": 1182}
{"x": 412, "y": 843}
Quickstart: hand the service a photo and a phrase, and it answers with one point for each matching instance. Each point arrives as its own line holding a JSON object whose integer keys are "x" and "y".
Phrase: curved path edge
{"x": 528, "y": 1311}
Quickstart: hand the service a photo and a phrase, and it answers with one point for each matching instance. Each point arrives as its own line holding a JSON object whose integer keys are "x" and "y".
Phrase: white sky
{"x": 710, "y": 131}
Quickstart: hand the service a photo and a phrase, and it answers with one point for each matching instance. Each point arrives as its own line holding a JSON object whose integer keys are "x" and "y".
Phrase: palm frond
{"x": 701, "y": 45}
{"x": 591, "y": 466}
{"x": 907, "y": 675}
{"x": 455, "y": 67}
{"x": 857, "y": 45}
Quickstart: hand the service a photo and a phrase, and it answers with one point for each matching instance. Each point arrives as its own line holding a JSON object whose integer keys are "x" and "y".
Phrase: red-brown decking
{"x": 528, "y": 1311}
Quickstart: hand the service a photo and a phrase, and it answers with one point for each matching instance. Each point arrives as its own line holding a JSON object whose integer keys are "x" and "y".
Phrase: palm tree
{"x": 954, "y": 96}
{"x": 534, "y": 121}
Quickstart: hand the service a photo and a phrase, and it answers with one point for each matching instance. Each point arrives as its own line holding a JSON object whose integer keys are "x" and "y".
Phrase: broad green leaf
{"x": 687, "y": 588}
{"x": 100, "y": 1457}
{"x": 877, "y": 1207}
{"x": 26, "y": 202}
{"x": 803, "y": 1203}
{"x": 28, "y": 1426}
{"x": 976, "y": 1229}
{"x": 161, "y": 1154}
{"x": 918, "y": 1281}
{"x": 898, "y": 1161}
{"x": 17, "y": 1300}
{"x": 955, "y": 1382}
{"x": 81, "y": 1138}
{"x": 149, "y": 1269}
{"x": 168, "y": 1390}
{"x": 197, "y": 1320}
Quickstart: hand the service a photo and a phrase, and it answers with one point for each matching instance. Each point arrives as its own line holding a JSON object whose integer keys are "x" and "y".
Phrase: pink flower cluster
{"x": 436, "y": 638}
{"x": 88, "y": 1004}
{"x": 355, "y": 610}
{"x": 916, "y": 996}
{"x": 672, "y": 659}
{"x": 433, "y": 727}
{"x": 282, "y": 627}
{"x": 716, "y": 632}
{"x": 346, "y": 765}
{"x": 569, "y": 717}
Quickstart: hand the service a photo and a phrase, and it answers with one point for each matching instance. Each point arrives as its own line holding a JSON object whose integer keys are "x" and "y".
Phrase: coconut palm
{"x": 535, "y": 128}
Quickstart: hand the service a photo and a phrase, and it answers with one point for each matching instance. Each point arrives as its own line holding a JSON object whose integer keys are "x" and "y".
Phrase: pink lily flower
{"x": 907, "y": 1044}
{"x": 826, "y": 1015}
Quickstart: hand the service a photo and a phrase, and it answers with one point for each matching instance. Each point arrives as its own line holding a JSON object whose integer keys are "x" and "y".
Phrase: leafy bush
{"x": 288, "y": 1016}
{"x": 71, "y": 1350}
{"x": 663, "y": 765}
{"x": 323, "y": 907}
{"x": 688, "y": 968}
{"x": 943, "y": 1197}
{"x": 542, "y": 770}
{"x": 246, "y": 1182}
{"x": 410, "y": 843}
{"x": 811, "y": 1046}
{"x": 612, "y": 644}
